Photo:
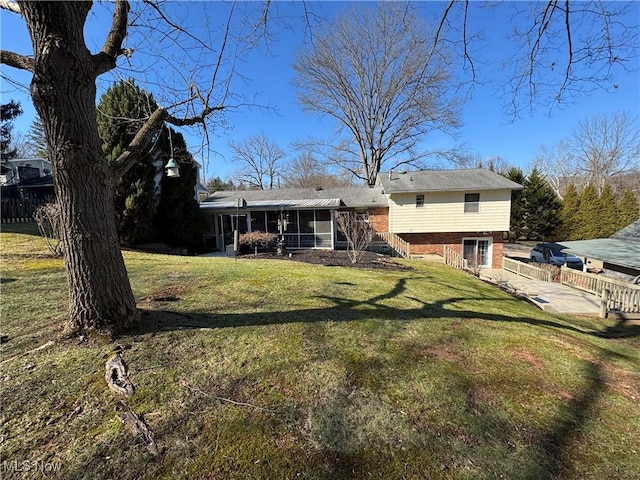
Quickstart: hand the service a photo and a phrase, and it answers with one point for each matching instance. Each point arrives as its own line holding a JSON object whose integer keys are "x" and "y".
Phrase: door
{"x": 477, "y": 252}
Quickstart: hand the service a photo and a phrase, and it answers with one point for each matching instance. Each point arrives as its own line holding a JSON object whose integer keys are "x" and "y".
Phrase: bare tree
{"x": 557, "y": 165}
{"x": 605, "y": 146}
{"x": 357, "y": 231}
{"x": 306, "y": 170}
{"x": 385, "y": 78}
{"x": 63, "y": 88}
{"x": 260, "y": 160}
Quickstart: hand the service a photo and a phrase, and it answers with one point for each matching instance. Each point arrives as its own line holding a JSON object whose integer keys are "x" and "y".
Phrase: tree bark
{"x": 63, "y": 89}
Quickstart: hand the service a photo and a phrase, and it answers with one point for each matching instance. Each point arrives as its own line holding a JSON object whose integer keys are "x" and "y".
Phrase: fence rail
{"x": 19, "y": 210}
{"x": 400, "y": 246}
{"x": 621, "y": 296}
{"x": 453, "y": 258}
{"x": 527, "y": 270}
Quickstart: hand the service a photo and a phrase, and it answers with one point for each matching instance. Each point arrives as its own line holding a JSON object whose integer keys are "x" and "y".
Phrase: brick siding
{"x": 434, "y": 243}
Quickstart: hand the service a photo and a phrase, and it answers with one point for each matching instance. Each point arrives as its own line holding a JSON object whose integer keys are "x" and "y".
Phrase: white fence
{"x": 528, "y": 270}
{"x": 617, "y": 296}
{"x": 621, "y": 296}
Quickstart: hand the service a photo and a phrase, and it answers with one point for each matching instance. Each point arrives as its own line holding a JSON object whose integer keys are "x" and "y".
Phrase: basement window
{"x": 471, "y": 202}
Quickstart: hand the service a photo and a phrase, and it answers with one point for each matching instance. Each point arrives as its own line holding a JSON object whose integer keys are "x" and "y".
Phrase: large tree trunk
{"x": 64, "y": 94}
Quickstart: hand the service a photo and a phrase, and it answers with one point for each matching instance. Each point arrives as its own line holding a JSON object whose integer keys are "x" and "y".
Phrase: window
{"x": 419, "y": 201}
{"x": 471, "y": 202}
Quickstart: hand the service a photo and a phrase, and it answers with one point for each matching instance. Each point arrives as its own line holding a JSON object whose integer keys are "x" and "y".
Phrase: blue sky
{"x": 266, "y": 81}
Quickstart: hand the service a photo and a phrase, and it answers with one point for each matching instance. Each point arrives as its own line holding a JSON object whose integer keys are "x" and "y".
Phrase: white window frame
{"x": 489, "y": 255}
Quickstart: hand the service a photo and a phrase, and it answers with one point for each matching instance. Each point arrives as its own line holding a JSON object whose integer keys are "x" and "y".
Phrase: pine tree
{"x": 518, "y": 206}
{"x": 179, "y": 221}
{"x": 122, "y": 110}
{"x": 217, "y": 185}
{"x": 608, "y": 214}
{"x": 8, "y": 111}
{"x": 588, "y": 213}
{"x": 37, "y": 139}
{"x": 569, "y": 224}
{"x": 542, "y": 207}
{"x": 629, "y": 209}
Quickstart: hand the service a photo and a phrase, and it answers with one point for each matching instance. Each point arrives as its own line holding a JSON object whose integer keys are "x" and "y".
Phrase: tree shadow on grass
{"x": 554, "y": 444}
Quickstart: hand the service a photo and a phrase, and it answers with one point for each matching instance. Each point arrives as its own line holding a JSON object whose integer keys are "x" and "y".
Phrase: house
{"x": 619, "y": 253}
{"x": 27, "y": 178}
{"x": 467, "y": 210}
{"x": 18, "y": 170}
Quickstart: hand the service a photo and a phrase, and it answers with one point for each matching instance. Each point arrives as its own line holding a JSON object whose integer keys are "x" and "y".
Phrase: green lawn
{"x": 266, "y": 369}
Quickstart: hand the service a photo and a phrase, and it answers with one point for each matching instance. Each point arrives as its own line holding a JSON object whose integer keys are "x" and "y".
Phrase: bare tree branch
{"x": 11, "y": 6}
{"x": 106, "y": 59}
{"x": 16, "y": 60}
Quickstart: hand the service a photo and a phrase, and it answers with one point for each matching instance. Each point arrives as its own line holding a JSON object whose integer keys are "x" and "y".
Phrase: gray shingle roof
{"x": 476, "y": 179}
{"x": 630, "y": 232}
{"x": 299, "y": 198}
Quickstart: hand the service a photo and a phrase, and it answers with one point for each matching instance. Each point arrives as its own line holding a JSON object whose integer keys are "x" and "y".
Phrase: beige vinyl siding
{"x": 444, "y": 212}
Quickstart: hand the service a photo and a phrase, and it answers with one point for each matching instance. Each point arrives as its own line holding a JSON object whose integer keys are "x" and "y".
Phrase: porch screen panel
{"x": 291, "y": 234}
{"x": 272, "y": 222}
{"x": 258, "y": 221}
{"x": 323, "y": 229}
{"x": 306, "y": 221}
{"x": 307, "y": 241}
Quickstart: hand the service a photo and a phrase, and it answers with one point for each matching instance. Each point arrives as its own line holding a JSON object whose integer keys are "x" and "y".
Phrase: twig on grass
{"x": 223, "y": 399}
{"x": 23, "y": 354}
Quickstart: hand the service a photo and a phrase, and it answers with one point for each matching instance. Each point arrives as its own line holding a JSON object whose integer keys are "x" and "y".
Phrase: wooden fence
{"x": 453, "y": 258}
{"x": 620, "y": 296}
{"x": 397, "y": 244}
{"x": 18, "y": 210}
{"x": 528, "y": 270}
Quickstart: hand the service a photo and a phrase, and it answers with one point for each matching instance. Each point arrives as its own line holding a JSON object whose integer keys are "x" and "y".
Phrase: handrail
{"x": 453, "y": 258}
{"x": 621, "y": 296}
{"x": 399, "y": 245}
{"x": 527, "y": 270}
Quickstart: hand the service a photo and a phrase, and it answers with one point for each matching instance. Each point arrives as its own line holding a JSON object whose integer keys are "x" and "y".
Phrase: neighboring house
{"x": 619, "y": 253}
{"x": 467, "y": 210}
{"x": 18, "y": 170}
{"x": 27, "y": 177}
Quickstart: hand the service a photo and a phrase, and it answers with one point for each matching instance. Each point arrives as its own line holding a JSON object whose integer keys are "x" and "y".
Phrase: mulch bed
{"x": 333, "y": 258}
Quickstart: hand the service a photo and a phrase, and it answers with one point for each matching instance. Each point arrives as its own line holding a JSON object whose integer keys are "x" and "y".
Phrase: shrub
{"x": 257, "y": 239}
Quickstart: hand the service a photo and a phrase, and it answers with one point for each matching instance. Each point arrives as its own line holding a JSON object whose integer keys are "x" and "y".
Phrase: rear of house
{"x": 467, "y": 210}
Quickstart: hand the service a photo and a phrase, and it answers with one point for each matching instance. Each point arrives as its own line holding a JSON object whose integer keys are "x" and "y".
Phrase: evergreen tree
{"x": 122, "y": 110}
{"x": 518, "y": 206}
{"x": 37, "y": 139}
{"x": 588, "y": 213}
{"x": 608, "y": 214}
{"x": 569, "y": 215}
{"x": 179, "y": 221}
{"x": 218, "y": 185}
{"x": 542, "y": 207}
{"x": 8, "y": 111}
{"x": 629, "y": 209}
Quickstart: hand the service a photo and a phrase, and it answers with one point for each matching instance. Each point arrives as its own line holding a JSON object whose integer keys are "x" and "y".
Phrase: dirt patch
{"x": 532, "y": 359}
{"x": 333, "y": 258}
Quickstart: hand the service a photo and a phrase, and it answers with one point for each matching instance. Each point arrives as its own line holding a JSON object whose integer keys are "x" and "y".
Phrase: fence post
{"x": 603, "y": 303}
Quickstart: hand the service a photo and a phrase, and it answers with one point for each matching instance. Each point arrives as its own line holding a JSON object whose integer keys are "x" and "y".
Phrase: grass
{"x": 266, "y": 369}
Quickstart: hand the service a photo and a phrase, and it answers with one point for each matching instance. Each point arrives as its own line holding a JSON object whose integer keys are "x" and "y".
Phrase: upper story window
{"x": 471, "y": 202}
{"x": 419, "y": 201}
